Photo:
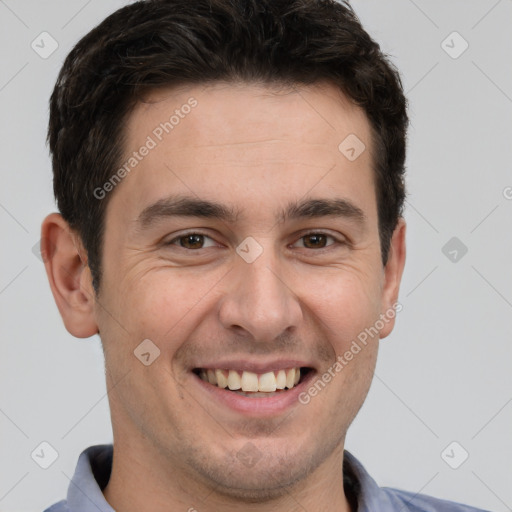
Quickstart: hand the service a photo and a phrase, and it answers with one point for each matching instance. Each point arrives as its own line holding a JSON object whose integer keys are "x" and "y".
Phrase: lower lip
{"x": 260, "y": 406}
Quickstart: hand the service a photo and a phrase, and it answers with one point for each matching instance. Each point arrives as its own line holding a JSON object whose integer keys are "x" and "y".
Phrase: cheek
{"x": 345, "y": 302}
{"x": 160, "y": 303}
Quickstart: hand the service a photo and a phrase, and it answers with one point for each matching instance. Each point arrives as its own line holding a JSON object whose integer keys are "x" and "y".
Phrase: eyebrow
{"x": 313, "y": 208}
{"x": 185, "y": 206}
{"x": 188, "y": 206}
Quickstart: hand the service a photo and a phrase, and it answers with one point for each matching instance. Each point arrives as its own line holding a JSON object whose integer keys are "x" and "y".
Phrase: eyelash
{"x": 304, "y": 235}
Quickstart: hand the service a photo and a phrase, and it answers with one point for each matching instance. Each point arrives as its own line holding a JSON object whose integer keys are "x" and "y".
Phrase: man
{"x": 229, "y": 176}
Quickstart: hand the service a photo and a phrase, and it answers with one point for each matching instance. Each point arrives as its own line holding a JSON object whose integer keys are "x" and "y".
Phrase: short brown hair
{"x": 155, "y": 43}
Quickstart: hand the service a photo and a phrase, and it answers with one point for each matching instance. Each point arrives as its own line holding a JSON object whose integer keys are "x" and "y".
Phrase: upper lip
{"x": 254, "y": 366}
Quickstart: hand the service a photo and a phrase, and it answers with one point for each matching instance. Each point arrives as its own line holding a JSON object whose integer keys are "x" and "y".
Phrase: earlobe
{"x": 69, "y": 276}
{"x": 392, "y": 277}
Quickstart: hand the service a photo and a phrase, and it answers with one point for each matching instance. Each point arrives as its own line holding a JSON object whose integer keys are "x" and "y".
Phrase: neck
{"x": 142, "y": 479}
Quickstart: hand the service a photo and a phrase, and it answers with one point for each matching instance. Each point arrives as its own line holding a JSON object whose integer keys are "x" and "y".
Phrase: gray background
{"x": 444, "y": 374}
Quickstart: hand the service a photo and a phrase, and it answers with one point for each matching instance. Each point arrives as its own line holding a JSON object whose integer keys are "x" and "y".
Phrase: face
{"x": 244, "y": 241}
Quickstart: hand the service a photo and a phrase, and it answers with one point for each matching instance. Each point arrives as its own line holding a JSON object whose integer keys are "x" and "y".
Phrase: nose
{"x": 259, "y": 301}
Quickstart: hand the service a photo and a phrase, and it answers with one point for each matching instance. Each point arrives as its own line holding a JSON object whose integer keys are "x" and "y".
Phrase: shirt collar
{"x": 370, "y": 496}
{"x": 90, "y": 478}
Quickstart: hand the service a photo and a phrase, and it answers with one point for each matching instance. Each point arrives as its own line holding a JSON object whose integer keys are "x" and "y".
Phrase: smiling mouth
{"x": 254, "y": 385}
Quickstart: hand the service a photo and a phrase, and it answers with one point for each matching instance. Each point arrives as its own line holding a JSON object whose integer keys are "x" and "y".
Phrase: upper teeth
{"x": 249, "y": 381}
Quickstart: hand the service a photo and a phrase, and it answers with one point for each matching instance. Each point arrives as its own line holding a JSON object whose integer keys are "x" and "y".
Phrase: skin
{"x": 256, "y": 149}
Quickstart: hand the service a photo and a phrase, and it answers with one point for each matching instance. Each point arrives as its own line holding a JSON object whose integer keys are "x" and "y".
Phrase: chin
{"x": 269, "y": 475}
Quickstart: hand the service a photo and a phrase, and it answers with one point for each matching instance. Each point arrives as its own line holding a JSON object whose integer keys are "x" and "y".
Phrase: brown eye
{"x": 192, "y": 241}
{"x": 315, "y": 240}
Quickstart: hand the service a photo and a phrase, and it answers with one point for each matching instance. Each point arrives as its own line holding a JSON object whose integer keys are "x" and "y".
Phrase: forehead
{"x": 222, "y": 108}
{"x": 246, "y": 143}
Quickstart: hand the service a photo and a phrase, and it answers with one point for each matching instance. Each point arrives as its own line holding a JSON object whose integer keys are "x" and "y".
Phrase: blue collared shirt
{"x": 95, "y": 463}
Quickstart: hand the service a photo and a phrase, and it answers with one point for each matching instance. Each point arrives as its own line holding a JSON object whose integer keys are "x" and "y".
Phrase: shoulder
{"x": 60, "y": 506}
{"x": 421, "y": 503}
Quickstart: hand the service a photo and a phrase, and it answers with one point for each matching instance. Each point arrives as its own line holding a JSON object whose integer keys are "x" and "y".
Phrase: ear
{"x": 392, "y": 277}
{"x": 70, "y": 279}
